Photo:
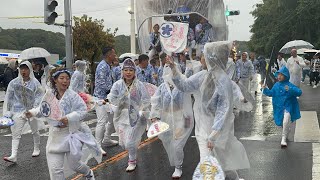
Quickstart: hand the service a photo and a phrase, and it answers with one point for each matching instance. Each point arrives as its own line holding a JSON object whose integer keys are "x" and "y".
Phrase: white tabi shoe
{"x": 36, "y": 152}
{"x": 103, "y": 152}
{"x": 109, "y": 142}
{"x": 90, "y": 176}
{"x": 131, "y": 166}
{"x": 177, "y": 173}
{"x": 12, "y": 159}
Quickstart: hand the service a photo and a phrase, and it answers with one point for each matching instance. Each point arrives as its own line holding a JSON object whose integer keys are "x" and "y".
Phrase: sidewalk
{"x": 309, "y": 101}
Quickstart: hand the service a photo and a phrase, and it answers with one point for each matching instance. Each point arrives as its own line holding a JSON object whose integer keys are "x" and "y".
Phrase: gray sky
{"x": 114, "y": 13}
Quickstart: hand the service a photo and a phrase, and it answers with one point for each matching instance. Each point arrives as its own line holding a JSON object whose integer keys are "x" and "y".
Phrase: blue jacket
{"x": 284, "y": 100}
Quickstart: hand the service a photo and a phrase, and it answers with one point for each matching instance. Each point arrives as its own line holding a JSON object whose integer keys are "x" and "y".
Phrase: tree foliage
{"x": 279, "y": 21}
{"x": 20, "y": 39}
{"x": 89, "y": 37}
{"x": 122, "y": 45}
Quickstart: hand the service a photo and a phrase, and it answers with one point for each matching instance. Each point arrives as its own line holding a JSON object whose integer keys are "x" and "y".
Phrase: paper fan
{"x": 157, "y": 128}
{"x": 208, "y": 169}
{"x": 6, "y": 122}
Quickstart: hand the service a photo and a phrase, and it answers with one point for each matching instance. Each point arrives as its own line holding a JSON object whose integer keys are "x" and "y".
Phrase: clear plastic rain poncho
{"x": 213, "y": 108}
{"x": 22, "y": 96}
{"x": 78, "y": 79}
{"x": 192, "y": 67}
{"x": 242, "y": 99}
{"x": 175, "y": 108}
{"x": 295, "y": 69}
{"x": 130, "y": 116}
{"x": 77, "y": 138}
{"x": 213, "y": 10}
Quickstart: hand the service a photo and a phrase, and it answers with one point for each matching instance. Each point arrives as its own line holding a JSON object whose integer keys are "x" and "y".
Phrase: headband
{"x": 56, "y": 74}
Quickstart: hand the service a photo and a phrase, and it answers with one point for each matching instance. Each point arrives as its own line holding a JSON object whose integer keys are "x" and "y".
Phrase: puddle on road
{"x": 257, "y": 124}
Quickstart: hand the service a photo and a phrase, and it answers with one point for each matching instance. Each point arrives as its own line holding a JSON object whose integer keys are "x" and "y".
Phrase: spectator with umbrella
{"x": 295, "y": 64}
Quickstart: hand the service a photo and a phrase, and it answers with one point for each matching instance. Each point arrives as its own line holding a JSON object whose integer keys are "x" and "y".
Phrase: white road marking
{"x": 316, "y": 161}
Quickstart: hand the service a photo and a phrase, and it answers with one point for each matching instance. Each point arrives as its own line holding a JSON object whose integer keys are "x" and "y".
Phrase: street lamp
{"x": 132, "y": 28}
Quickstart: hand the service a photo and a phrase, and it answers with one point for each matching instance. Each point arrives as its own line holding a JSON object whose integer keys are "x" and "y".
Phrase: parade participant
{"x": 68, "y": 135}
{"x": 175, "y": 108}
{"x": 295, "y": 64}
{"x": 23, "y": 93}
{"x": 203, "y": 34}
{"x": 254, "y": 81}
{"x": 163, "y": 58}
{"x": 78, "y": 79}
{"x": 285, "y": 105}
{"x": 262, "y": 68}
{"x": 155, "y": 45}
{"x": 103, "y": 84}
{"x": 132, "y": 100}
{"x": 188, "y": 67}
{"x": 213, "y": 106}
{"x": 116, "y": 69}
{"x": 145, "y": 70}
{"x": 245, "y": 71}
{"x": 10, "y": 72}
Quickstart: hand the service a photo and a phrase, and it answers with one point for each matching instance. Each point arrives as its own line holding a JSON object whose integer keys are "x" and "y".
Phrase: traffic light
{"x": 49, "y": 11}
{"x": 232, "y": 13}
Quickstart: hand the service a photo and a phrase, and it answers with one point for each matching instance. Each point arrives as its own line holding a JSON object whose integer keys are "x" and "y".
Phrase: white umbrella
{"x": 296, "y": 44}
{"x": 302, "y": 50}
{"x": 34, "y": 52}
{"x": 131, "y": 55}
{"x": 3, "y": 60}
{"x": 312, "y": 51}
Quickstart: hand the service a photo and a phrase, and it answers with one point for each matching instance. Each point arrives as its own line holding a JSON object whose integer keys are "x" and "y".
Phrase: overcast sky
{"x": 114, "y": 13}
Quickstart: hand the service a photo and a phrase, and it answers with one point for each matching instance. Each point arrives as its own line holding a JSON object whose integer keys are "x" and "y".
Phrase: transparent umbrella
{"x": 296, "y": 44}
{"x": 34, "y": 52}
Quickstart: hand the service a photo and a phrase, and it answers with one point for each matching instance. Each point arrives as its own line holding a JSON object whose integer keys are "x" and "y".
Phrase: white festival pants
{"x": 105, "y": 126}
{"x": 56, "y": 165}
{"x": 17, "y": 130}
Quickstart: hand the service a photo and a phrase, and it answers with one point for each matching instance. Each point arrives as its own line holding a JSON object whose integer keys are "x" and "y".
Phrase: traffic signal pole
{"x": 68, "y": 35}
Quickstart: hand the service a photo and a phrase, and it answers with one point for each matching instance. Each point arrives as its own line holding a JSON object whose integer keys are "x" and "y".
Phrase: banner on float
{"x": 173, "y": 36}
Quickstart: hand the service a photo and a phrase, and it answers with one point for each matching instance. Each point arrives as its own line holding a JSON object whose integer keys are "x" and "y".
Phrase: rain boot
{"x": 285, "y": 129}
{"x": 13, "y": 157}
{"x": 107, "y": 138}
{"x": 36, "y": 145}
{"x": 177, "y": 172}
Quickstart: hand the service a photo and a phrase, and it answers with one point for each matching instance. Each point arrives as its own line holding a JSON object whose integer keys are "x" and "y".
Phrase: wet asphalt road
{"x": 256, "y": 131}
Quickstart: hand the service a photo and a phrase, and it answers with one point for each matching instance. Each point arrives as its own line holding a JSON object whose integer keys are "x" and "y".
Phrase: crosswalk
{"x": 45, "y": 132}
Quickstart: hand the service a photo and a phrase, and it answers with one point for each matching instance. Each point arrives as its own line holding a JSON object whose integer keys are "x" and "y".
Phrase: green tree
{"x": 20, "y": 39}
{"x": 279, "y": 21}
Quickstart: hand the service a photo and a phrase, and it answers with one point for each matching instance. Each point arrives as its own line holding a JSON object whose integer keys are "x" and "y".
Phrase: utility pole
{"x": 132, "y": 28}
{"x": 68, "y": 38}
